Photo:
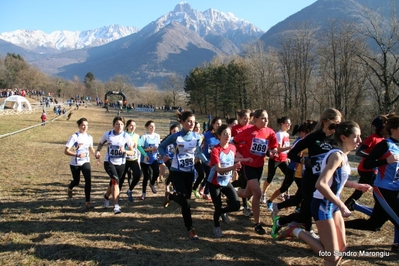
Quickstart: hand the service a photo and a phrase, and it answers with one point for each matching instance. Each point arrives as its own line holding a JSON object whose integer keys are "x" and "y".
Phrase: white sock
{"x": 296, "y": 232}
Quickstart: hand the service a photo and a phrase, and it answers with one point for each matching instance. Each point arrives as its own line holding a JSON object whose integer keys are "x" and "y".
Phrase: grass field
{"x": 40, "y": 225}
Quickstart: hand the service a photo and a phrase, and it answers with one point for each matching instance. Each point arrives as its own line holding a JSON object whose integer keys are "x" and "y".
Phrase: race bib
{"x": 396, "y": 178}
{"x": 83, "y": 151}
{"x": 259, "y": 146}
{"x": 186, "y": 162}
{"x": 114, "y": 151}
{"x": 152, "y": 146}
{"x": 317, "y": 161}
{"x": 135, "y": 155}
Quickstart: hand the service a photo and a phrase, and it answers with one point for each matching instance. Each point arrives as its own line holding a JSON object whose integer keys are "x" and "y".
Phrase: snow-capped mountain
{"x": 209, "y": 22}
{"x": 174, "y": 43}
{"x": 38, "y": 41}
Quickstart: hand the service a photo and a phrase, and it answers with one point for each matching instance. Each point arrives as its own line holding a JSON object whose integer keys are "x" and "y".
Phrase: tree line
{"x": 350, "y": 66}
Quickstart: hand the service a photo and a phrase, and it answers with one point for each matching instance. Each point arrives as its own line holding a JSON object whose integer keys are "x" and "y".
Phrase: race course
{"x": 40, "y": 225}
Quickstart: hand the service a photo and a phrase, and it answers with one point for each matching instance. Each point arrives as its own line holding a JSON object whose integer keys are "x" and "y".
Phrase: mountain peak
{"x": 183, "y": 7}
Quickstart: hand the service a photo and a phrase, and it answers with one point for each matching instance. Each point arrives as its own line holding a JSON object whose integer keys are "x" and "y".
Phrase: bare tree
{"x": 297, "y": 62}
{"x": 174, "y": 89}
{"x": 383, "y": 57}
{"x": 342, "y": 78}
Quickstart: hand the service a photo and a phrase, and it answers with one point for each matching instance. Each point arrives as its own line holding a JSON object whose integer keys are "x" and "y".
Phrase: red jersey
{"x": 370, "y": 142}
{"x": 238, "y": 128}
{"x": 224, "y": 157}
{"x": 254, "y": 143}
{"x": 283, "y": 140}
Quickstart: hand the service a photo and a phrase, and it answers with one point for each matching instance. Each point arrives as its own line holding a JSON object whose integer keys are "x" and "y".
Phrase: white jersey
{"x": 283, "y": 139}
{"x": 185, "y": 153}
{"x": 114, "y": 153}
{"x": 81, "y": 144}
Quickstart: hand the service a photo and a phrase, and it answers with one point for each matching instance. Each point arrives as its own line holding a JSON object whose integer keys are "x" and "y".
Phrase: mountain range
{"x": 174, "y": 43}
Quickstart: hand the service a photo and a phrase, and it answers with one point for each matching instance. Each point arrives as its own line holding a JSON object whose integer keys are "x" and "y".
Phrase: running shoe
{"x": 129, "y": 195}
{"x": 89, "y": 206}
{"x": 117, "y": 209}
{"x": 225, "y": 218}
{"x": 275, "y": 210}
{"x": 167, "y": 200}
{"x": 247, "y": 212}
{"x": 153, "y": 189}
{"x": 196, "y": 194}
{"x": 207, "y": 197}
{"x": 69, "y": 192}
{"x": 263, "y": 199}
{"x": 143, "y": 196}
{"x": 282, "y": 197}
{"x": 350, "y": 203}
{"x": 269, "y": 205}
{"x": 217, "y": 231}
{"x": 202, "y": 191}
{"x": 106, "y": 201}
{"x": 313, "y": 234}
{"x": 275, "y": 228}
{"x": 259, "y": 229}
{"x": 289, "y": 231}
{"x": 192, "y": 235}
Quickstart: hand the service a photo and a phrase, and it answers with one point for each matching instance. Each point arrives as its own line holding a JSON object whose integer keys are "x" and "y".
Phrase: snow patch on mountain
{"x": 67, "y": 40}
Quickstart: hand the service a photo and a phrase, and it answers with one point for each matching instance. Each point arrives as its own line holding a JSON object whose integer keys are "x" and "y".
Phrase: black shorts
{"x": 249, "y": 172}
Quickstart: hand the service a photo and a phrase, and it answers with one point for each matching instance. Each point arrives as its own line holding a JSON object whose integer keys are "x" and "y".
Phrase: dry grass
{"x": 41, "y": 226}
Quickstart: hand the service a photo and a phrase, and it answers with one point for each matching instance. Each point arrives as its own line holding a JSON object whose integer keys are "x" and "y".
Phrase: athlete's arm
{"x": 360, "y": 151}
{"x": 373, "y": 159}
{"x": 333, "y": 162}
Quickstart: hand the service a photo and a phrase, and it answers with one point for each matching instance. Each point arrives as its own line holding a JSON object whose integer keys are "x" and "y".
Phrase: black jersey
{"x": 317, "y": 144}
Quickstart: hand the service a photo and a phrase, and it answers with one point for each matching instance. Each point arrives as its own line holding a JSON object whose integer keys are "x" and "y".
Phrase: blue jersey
{"x": 150, "y": 141}
{"x": 388, "y": 174}
{"x": 209, "y": 142}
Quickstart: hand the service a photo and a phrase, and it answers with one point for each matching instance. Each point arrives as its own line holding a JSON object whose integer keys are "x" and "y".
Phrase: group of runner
{"x": 229, "y": 159}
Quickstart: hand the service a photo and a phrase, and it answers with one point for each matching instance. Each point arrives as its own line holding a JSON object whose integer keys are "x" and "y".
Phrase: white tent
{"x": 17, "y": 103}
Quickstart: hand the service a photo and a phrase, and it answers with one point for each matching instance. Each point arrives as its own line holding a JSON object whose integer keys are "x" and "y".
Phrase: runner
{"x": 280, "y": 159}
{"x": 244, "y": 119}
{"x": 327, "y": 208}
{"x": 385, "y": 156}
{"x": 209, "y": 141}
{"x": 149, "y": 142}
{"x": 132, "y": 162}
{"x": 79, "y": 147}
{"x": 223, "y": 164}
{"x": 293, "y": 173}
{"x": 318, "y": 143}
{"x": 254, "y": 142}
{"x": 115, "y": 158}
{"x": 171, "y": 152}
{"x": 187, "y": 145}
{"x": 199, "y": 169}
{"x": 367, "y": 176}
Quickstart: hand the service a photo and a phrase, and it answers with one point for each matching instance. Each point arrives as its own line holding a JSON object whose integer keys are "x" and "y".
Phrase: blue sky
{"x": 79, "y": 15}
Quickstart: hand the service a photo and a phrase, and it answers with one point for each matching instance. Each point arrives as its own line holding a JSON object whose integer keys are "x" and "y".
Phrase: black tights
{"x": 147, "y": 173}
{"x": 86, "y": 171}
{"x": 233, "y": 203}
{"x": 182, "y": 183}
{"x": 131, "y": 167}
